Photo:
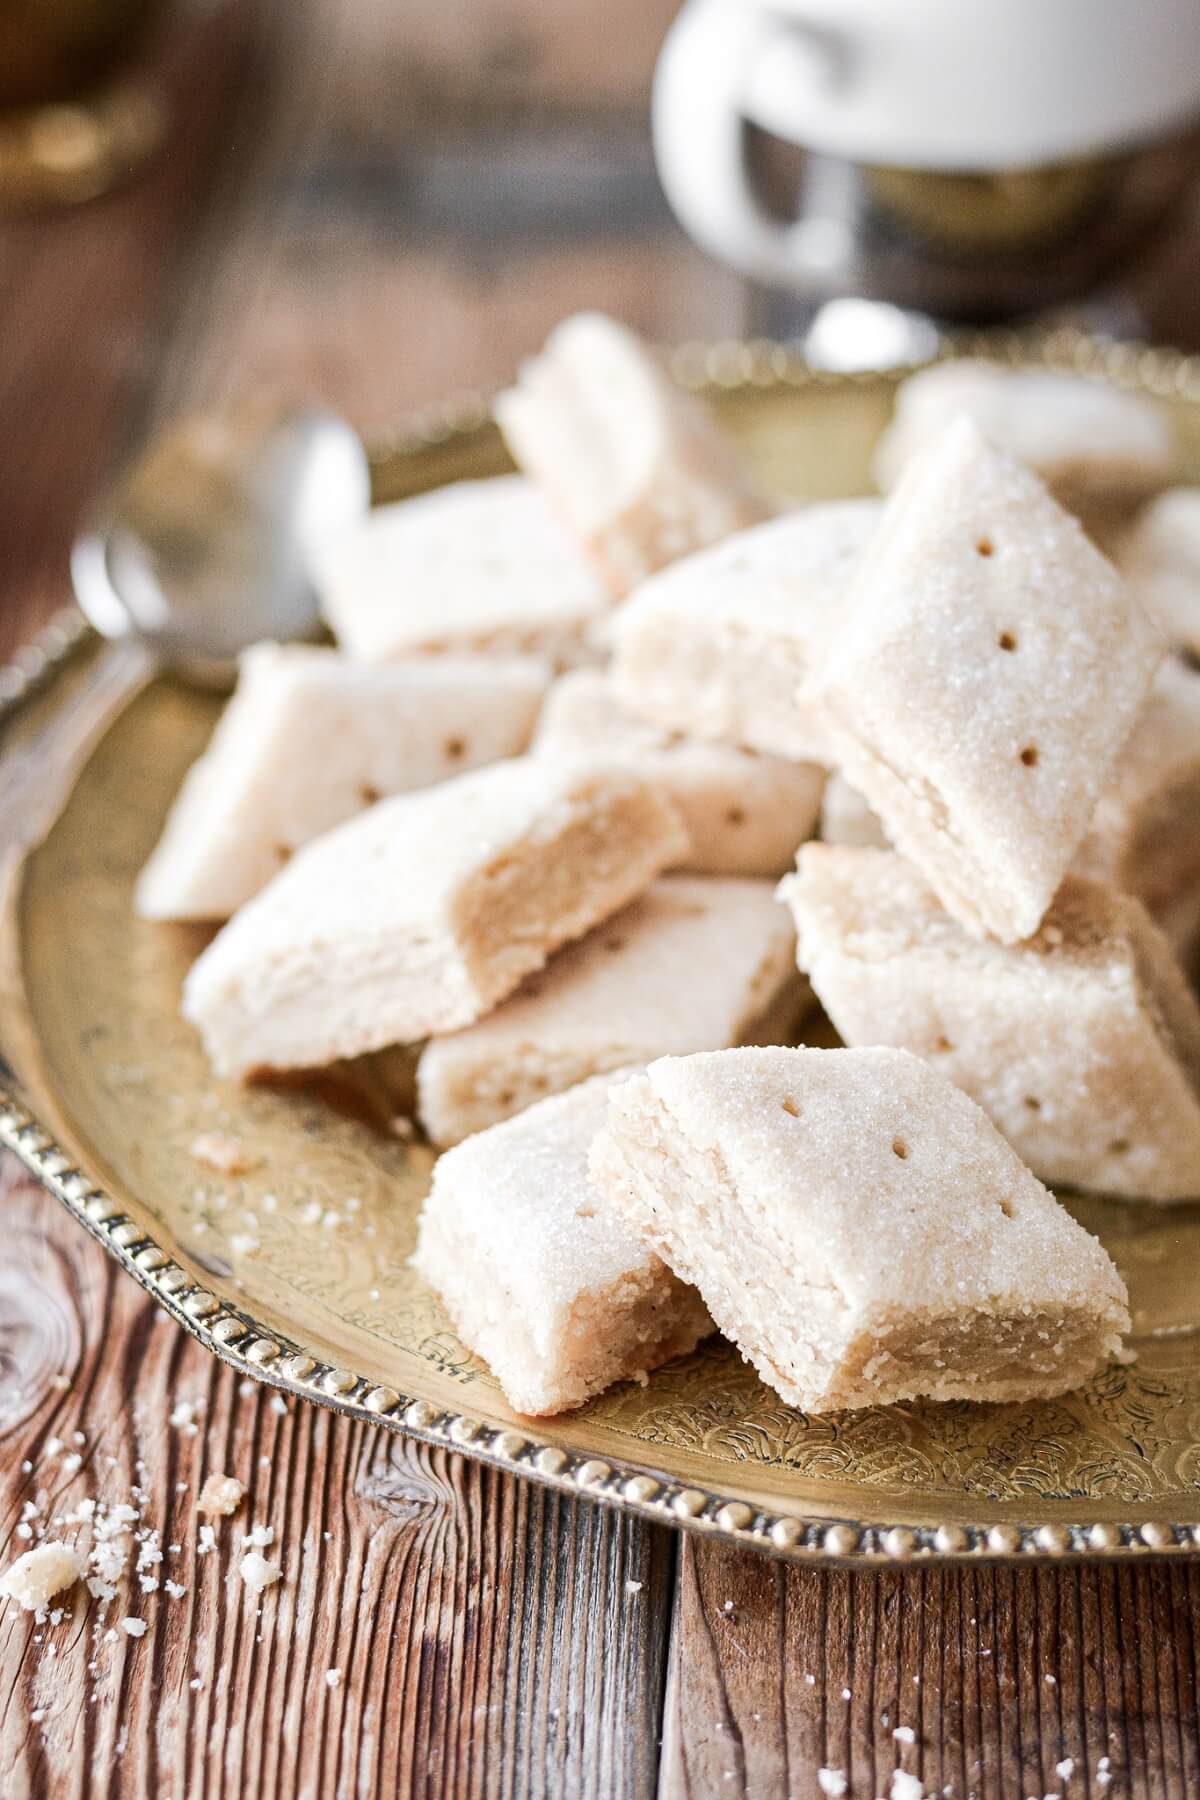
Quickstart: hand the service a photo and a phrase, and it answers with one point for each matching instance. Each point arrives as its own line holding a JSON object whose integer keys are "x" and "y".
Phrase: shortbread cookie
{"x": 308, "y": 740}
{"x": 1083, "y": 1045}
{"x": 480, "y": 566}
{"x": 426, "y": 911}
{"x": 858, "y": 1228}
{"x": 690, "y": 965}
{"x": 536, "y": 1270}
{"x": 989, "y": 669}
{"x": 1145, "y": 831}
{"x": 746, "y": 814}
{"x": 720, "y": 645}
{"x": 1096, "y": 447}
{"x": 1160, "y": 559}
{"x": 847, "y": 819}
{"x": 1144, "y": 837}
{"x": 638, "y": 469}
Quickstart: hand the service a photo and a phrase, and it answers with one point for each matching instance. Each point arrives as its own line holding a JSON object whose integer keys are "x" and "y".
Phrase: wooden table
{"x": 324, "y": 221}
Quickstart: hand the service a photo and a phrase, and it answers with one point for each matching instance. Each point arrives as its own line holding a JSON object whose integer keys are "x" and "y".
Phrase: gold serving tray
{"x": 110, "y": 1090}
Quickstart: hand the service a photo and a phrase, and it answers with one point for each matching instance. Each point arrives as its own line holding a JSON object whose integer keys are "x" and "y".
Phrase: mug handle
{"x": 712, "y": 58}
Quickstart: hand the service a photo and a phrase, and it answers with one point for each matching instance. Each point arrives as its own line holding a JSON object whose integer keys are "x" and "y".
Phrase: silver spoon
{"x": 203, "y": 547}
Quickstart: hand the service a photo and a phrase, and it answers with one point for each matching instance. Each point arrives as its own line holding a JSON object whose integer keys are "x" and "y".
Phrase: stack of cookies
{"x": 531, "y": 815}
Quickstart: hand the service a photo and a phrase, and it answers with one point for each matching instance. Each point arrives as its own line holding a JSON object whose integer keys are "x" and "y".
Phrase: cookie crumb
{"x": 228, "y": 1155}
{"x": 257, "y": 1572}
{"x": 36, "y": 1577}
{"x": 221, "y": 1496}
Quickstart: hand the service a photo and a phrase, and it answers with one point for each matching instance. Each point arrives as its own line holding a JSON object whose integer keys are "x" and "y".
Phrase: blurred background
{"x": 380, "y": 205}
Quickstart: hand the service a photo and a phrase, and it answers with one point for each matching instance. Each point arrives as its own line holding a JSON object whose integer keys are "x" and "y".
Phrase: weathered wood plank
{"x": 1003, "y": 1675}
{"x": 484, "y": 1632}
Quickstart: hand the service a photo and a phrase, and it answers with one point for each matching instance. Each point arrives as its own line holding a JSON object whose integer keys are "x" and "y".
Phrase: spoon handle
{"x": 44, "y": 748}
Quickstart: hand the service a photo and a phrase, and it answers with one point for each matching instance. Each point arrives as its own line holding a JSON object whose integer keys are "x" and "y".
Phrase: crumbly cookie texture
{"x": 1145, "y": 832}
{"x": 221, "y": 1496}
{"x": 846, "y": 818}
{"x": 478, "y": 567}
{"x": 1096, "y": 447}
{"x": 1160, "y": 558}
{"x": 989, "y": 669}
{"x": 536, "y": 1270}
{"x": 721, "y": 645}
{"x": 35, "y": 1578}
{"x": 690, "y": 965}
{"x": 308, "y": 740}
{"x": 1082, "y": 1045}
{"x": 745, "y": 813}
{"x": 426, "y": 911}
{"x": 638, "y": 469}
{"x": 858, "y": 1228}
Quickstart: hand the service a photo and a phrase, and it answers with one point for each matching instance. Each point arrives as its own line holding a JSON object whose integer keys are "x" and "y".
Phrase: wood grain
{"x": 1002, "y": 1674}
{"x": 484, "y": 1632}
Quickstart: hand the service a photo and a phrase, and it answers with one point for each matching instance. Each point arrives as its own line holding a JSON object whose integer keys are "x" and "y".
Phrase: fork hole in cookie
{"x": 1118, "y": 1147}
{"x": 791, "y": 1109}
{"x": 455, "y": 748}
{"x": 942, "y": 1045}
{"x": 283, "y": 852}
{"x": 1007, "y": 641}
{"x": 369, "y": 795}
{"x": 985, "y": 547}
{"x": 900, "y": 1149}
{"x": 1029, "y": 756}
{"x": 734, "y": 815}
{"x": 1006, "y": 1209}
{"x": 1033, "y": 1104}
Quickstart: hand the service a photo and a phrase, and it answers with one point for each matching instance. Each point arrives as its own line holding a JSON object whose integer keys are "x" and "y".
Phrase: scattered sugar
{"x": 332, "y": 1677}
{"x": 134, "y": 1628}
{"x": 279, "y": 1405}
{"x": 904, "y": 1734}
{"x": 906, "y": 1786}
{"x": 1065, "y": 1768}
{"x": 206, "y": 1541}
{"x": 633, "y": 1587}
{"x": 832, "y": 1782}
{"x": 183, "y": 1417}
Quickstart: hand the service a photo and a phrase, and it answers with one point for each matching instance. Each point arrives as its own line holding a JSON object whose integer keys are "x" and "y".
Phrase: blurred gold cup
{"x": 71, "y": 122}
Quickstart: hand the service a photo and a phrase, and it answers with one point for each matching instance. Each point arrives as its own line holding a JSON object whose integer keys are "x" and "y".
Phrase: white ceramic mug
{"x": 933, "y": 85}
